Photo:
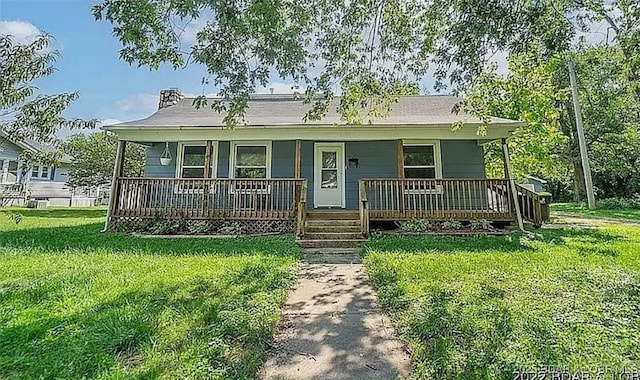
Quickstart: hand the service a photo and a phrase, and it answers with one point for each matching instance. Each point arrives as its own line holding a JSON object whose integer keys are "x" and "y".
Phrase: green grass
{"x": 582, "y": 209}
{"x": 75, "y": 303}
{"x": 481, "y": 307}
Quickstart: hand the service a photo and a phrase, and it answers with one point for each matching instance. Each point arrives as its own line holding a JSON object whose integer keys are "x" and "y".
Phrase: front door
{"x": 329, "y": 175}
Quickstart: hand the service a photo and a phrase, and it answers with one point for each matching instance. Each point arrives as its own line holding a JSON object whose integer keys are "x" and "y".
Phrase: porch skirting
{"x": 200, "y": 226}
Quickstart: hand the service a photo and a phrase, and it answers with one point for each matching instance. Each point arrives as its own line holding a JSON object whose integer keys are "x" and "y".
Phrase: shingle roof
{"x": 36, "y": 146}
{"x": 274, "y": 110}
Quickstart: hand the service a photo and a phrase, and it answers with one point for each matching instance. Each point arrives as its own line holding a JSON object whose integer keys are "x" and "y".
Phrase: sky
{"x": 110, "y": 89}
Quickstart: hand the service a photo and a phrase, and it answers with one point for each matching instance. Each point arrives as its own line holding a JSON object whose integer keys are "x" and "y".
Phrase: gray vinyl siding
{"x": 153, "y": 167}
{"x": 61, "y": 174}
{"x": 377, "y": 159}
{"x": 306, "y": 167}
{"x": 462, "y": 159}
{"x": 283, "y": 154}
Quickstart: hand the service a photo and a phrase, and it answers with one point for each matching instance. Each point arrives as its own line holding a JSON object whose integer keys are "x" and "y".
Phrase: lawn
{"x": 484, "y": 307}
{"x": 581, "y": 209}
{"x": 75, "y": 303}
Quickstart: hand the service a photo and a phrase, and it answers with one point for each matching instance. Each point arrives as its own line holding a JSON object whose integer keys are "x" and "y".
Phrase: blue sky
{"x": 110, "y": 89}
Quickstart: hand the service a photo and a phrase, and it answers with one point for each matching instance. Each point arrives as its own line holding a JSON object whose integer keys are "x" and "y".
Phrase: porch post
{"x": 207, "y": 159}
{"x": 117, "y": 172}
{"x": 207, "y": 174}
{"x": 512, "y": 183}
{"x": 400, "y": 158}
{"x": 297, "y": 161}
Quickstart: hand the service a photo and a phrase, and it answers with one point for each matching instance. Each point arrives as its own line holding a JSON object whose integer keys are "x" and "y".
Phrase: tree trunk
{"x": 578, "y": 182}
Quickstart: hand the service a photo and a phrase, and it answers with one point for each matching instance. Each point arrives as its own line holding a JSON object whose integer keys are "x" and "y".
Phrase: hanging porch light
{"x": 165, "y": 159}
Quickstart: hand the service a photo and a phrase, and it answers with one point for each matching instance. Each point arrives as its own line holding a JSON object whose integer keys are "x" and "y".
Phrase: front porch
{"x": 280, "y": 205}
{"x": 412, "y": 179}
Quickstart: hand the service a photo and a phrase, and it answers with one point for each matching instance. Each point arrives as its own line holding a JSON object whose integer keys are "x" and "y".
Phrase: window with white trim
{"x": 420, "y": 161}
{"x": 12, "y": 172}
{"x": 251, "y": 160}
{"x": 40, "y": 172}
{"x": 191, "y": 160}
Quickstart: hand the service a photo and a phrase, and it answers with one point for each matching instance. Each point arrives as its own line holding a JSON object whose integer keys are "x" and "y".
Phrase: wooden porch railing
{"x": 436, "y": 199}
{"x": 264, "y": 199}
{"x": 530, "y": 205}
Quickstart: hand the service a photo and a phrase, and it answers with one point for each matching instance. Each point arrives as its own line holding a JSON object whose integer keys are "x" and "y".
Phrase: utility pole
{"x": 586, "y": 168}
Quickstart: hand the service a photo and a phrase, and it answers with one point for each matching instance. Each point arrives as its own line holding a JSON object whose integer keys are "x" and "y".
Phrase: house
{"x": 19, "y": 183}
{"x": 278, "y": 173}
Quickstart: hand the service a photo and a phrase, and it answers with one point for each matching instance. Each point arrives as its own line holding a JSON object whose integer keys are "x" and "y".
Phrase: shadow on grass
{"x": 187, "y": 329}
{"x": 88, "y": 238}
{"x": 596, "y": 239}
{"x": 60, "y": 213}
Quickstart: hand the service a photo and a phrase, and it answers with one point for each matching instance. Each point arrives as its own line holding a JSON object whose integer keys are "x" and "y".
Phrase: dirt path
{"x": 334, "y": 329}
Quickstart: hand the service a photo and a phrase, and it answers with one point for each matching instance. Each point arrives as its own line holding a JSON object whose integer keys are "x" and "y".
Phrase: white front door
{"x": 329, "y": 175}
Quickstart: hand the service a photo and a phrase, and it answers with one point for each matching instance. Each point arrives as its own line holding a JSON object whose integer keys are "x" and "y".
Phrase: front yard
{"x": 484, "y": 307}
{"x": 75, "y": 303}
{"x": 582, "y": 209}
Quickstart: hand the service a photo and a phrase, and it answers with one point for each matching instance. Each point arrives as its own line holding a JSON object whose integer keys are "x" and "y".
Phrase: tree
{"x": 537, "y": 91}
{"x": 94, "y": 157}
{"x": 370, "y": 51}
{"x": 25, "y": 114}
{"x": 528, "y": 93}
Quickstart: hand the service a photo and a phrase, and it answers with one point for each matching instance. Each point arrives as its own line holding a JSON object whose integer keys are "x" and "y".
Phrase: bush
{"x": 452, "y": 225}
{"x": 619, "y": 203}
{"x": 200, "y": 227}
{"x": 481, "y": 225}
{"x": 163, "y": 227}
{"x": 230, "y": 228}
{"x": 416, "y": 226}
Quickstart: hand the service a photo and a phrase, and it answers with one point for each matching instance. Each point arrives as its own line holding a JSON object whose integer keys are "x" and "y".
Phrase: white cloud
{"x": 188, "y": 33}
{"x": 138, "y": 103}
{"x": 22, "y": 32}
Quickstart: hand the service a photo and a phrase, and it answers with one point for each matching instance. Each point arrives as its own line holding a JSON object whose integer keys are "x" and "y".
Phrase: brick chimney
{"x": 169, "y": 97}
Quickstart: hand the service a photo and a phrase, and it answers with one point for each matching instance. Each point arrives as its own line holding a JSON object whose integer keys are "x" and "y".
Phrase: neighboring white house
{"x": 18, "y": 183}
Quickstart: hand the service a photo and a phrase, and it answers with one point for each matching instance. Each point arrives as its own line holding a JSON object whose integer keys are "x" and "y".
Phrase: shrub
{"x": 416, "y": 225}
{"x": 200, "y": 227}
{"x": 619, "y": 203}
{"x": 452, "y": 225}
{"x": 481, "y": 225}
{"x": 230, "y": 228}
{"x": 167, "y": 227}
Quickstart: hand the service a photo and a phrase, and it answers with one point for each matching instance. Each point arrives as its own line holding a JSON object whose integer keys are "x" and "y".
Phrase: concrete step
{"x": 348, "y": 243}
{"x": 332, "y": 228}
{"x": 332, "y": 215}
{"x": 330, "y": 223}
{"x": 332, "y": 235}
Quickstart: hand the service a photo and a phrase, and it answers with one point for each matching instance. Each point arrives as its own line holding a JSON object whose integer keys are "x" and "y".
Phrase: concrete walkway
{"x": 333, "y": 328}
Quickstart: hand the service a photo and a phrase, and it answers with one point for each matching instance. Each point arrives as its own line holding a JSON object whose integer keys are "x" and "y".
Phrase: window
{"x": 251, "y": 160}
{"x": 421, "y": 161}
{"x": 12, "y": 172}
{"x": 191, "y": 157}
{"x": 40, "y": 172}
